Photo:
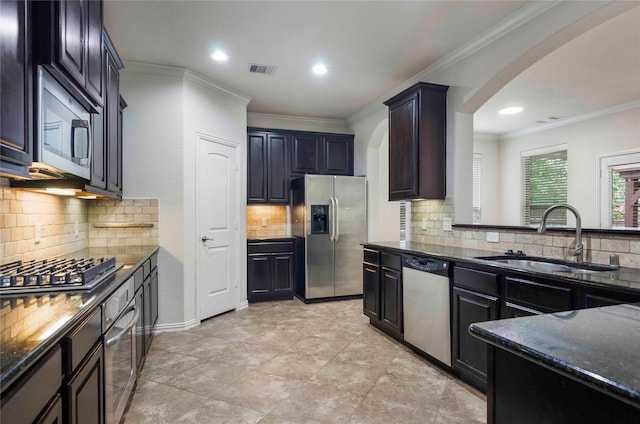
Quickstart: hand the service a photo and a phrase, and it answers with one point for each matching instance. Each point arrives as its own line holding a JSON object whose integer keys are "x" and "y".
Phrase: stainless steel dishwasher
{"x": 426, "y": 305}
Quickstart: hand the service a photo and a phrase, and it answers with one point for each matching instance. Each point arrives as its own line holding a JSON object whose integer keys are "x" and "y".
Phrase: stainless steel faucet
{"x": 578, "y": 251}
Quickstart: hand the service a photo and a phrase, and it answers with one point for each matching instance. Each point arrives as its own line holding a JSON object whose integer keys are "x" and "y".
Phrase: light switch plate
{"x": 264, "y": 221}
{"x": 424, "y": 223}
{"x": 447, "y": 224}
{"x": 38, "y": 235}
{"x": 493, "y": 237}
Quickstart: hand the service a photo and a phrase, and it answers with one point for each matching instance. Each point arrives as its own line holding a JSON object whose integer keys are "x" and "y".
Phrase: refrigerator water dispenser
{"x": 319, "y": 219}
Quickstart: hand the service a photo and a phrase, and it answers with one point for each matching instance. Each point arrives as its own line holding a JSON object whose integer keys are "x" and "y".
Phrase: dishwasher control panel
{"x": 435, "y": 266}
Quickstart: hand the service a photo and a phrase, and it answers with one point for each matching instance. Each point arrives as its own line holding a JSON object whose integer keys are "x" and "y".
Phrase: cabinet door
{"x": 338, "y": 155}
{"x": 470, "y": 353}
{"x": 391, "y": 299}
{"x": 283, "y": 273}
{"x": 403, "y": 149}
{"x": 86, "y": 390}
{"x": 154, "y": 298}
{"x": 140, "y": 333}
{"x": 277, "y": 170}
{"x": 147, "y": 314}
{"x": 15, "y": 86}
{"x": 371, "y": 290}
{"x": 94, "y": 50}
{"x": 72, "y": 26}
{"x": 259, "y": 275}
{"x": 257, "y": 168}
{"x": 98, "y": 157}
{"x": 513, "y": 310}
{"x": 114, "y": 149}
{"x": 53, "y": 413}
{"x": 306, "y": 154}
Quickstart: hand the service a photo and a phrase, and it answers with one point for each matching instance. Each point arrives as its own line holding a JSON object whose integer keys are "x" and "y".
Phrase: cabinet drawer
{"x": 79, "y": 342}
{"x": 270, "y": 247}
{"x": 35, "y": 391}
{"x": 146, "y": 267}
{"x": 154, "y": 261}
{"x": 390, "y": 260}
{"x": 484, "y": 282}
{"x": 138, "y": 278}
{"x": 543, "y": 297}
{"x": 371, "y": 256}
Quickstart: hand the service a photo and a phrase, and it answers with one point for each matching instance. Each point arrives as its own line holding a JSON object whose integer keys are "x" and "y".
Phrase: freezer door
{"x": 319, "y": 256}
{"x": 351, "y": 196}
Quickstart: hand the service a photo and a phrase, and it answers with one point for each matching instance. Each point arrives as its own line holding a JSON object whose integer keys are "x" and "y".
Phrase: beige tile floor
{"x": 287, "y": 362}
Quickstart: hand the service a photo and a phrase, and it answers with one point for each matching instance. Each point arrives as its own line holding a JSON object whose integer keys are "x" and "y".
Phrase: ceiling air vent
{"x": 549, "y": 119}
{"x": 262, "y": 69}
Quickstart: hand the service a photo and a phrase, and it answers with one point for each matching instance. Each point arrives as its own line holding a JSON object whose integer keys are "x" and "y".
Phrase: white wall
{"x": 167, "y": 106}
{"x": 586, "y": 141}
{"x": 152, "y": 168}
{"x": 478, "y": 71}
{"x": 488, "y": 147}
{"x": 264, "y": 120}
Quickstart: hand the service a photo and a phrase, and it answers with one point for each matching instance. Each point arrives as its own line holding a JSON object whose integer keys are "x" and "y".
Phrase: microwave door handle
{"x": 115, "y": 339}
{"x": 80, "y": 123}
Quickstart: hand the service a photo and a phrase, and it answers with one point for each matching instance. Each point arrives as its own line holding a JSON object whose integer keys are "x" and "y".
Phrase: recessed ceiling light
{"x": 511, "y": 110}
{"x": 219, "y": 56}
{"x": 319, "y": 69}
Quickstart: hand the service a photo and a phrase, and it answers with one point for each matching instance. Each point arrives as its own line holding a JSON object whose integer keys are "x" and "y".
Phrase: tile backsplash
{"x": 56, "y": 216}
{"x": 68, "y": 224}
{"x": 275, "y": 220}
{"x": 554, "y": 244}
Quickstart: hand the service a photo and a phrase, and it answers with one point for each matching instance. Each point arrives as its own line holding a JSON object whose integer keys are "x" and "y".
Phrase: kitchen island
{"x": 567, "y": 367}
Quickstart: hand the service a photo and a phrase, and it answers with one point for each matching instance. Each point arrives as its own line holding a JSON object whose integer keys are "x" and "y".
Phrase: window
{"x": 620, "y": 190}
{"x": 403, "y": 220}
{"x": 477, "y": 180}
{"x": 544, "y": 176}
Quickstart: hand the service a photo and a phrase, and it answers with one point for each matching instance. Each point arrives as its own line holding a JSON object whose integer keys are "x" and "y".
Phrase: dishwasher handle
{"x": 425, "y": 264}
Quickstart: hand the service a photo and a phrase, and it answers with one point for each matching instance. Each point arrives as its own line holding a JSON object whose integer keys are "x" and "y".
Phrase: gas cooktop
{"x": 57, "y": 274}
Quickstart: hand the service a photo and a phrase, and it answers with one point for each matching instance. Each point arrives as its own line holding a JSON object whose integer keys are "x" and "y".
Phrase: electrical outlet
{"x": 447, "y": 224}
{"x": 264, "y": 221}
{"x": 424, "y": 223}
{"x": 38, "y": 233}
{"x": 76, "y": 230}
{"x": 493, "y": 237}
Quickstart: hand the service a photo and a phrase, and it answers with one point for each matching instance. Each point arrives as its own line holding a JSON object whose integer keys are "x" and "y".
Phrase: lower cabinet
{"x": 470, "y": 353}
{"x": 270, "y": 267}
{"x": 53, "y": 412}
{"x": 382, "y": 291}
{"x": 85, "y": 390}
{"x": 149, "y": 307}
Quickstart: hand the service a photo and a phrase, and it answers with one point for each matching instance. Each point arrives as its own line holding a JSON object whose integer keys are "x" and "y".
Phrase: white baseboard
{"x": 243, "y": 305}
{"x": 176, "y": 326}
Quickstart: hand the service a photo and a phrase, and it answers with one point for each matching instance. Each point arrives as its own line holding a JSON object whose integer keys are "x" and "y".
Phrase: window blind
{"x": 403, "y": 220}
{"x": 544, "y": 179}
{"x": 477, "y": 177}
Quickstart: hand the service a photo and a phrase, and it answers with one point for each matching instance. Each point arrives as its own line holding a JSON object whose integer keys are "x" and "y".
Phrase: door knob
{"x": 206, "y": 239}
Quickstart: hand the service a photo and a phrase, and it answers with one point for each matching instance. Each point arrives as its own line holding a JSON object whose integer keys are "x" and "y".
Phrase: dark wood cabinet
{"x": 85, "y": 390}
{"x": 417, "y": 142}
{"x": 106, "y": 154}
{"x": 70, "y": 44}
{"x": 53, "y": 414}
{"x": 391, "y": 299}
{"x": 149, "y": 302}
{"x": 371, "y": 290}
{"x": 140, "y": 345}
{"x": 595, "y": 298}
{"x": 16, "y": 120}
{"x": 277, "y": 156}
{"x": 534, "y": 297}
{"x": 270, "y": 270}
{"x": 306, "y": 154}
{"x": 268, "y": 170}
{"x": 470, "y": 353}
{"x": 31, "y": 397}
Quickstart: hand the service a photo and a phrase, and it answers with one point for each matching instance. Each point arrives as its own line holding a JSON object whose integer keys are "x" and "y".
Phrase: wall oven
{"x": 120, "y": 314}
{"x": 64, "y": 132}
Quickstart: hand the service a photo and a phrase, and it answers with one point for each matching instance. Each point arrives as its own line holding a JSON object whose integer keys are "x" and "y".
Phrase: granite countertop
{"x": 279, "y": 237}
{"x": 600, "y": 346}
{"x": 32, "y": 323}
{"x": 626, "y": 279}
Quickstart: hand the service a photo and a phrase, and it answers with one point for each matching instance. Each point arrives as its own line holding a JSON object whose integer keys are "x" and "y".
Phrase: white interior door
{"x": 217, "y": 227}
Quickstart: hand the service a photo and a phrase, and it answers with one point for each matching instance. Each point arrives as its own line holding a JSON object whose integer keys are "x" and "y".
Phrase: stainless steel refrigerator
{"x": 329, "y": 221}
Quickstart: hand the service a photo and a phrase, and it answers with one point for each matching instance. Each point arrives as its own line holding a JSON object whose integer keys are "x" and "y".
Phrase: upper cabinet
{"x": 16, "y": 88}
{"x": 277, "y": 156}
{"x": 417, "y": 142}
{"x": 69, "y": 44}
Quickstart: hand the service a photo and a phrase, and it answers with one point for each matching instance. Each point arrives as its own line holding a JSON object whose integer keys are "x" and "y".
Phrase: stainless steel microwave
{"x": 64, "y": 132}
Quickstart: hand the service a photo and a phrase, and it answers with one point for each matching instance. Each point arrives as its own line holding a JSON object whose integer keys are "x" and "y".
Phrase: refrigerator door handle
{"x": 336, "y": 227}
{"x": 331, "y": 223}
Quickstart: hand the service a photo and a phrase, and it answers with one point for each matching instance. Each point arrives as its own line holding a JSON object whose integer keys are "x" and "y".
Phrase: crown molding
{"x": 523, "y": 15}
{"x": 573, "y": 120}
{"x": 185, "y": 74}
{"x": 297, "y": 119}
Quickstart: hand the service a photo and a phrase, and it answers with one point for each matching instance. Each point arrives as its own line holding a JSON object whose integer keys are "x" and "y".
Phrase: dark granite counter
{"x": 271, "y": 238}
{"x": 31, "y": 324}
{"x": 624, "y": 279}
{"x": 599, "y": 347}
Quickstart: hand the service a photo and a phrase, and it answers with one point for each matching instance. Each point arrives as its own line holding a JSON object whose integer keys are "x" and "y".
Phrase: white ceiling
{"x": 370, "y": 47}
{"x": 594, "y": 72}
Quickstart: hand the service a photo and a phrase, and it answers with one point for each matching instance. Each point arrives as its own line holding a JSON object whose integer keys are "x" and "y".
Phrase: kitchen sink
{"x": 549, "y": 265}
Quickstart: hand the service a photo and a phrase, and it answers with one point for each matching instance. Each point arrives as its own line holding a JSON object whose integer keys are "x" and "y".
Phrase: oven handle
{"x": 115, "y": 339}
